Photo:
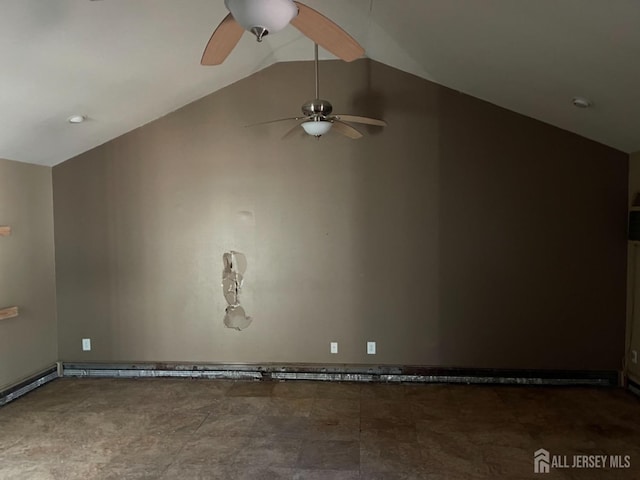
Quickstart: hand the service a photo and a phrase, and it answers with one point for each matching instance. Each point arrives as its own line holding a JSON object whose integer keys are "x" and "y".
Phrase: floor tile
{"x": 157, "y": 450}
{"x": 262, "y": 451}
{"x": 333, "y": 428}
{"x": 211, "y": 450}
{"x": 329, "y": 407}
{"x": 251, "y": 389}
{"x": 295, "y": 389}
{"x": 200, "y": 471}
{"x": 338, "y": 390}
{"x": 258, "y": 473}
{"x": 227, "y": 425}
{"x": 280, "y": 406}
{"x": 312, "y": 474}
{"x": 388, "y": 429}
{"x": 382, "y": 391}
{"x": 174, "y": 423}
{"x": 56, "y": 470}
{"x": 237, "y": 406}
{"x": 386, "y": 409}
{"x": 330, "y": 454}
{"x": 281, "y": 426}
{"x": 389, "y": 456}
{"x": 128, "y": 471}
{"x": 190, "y": 429}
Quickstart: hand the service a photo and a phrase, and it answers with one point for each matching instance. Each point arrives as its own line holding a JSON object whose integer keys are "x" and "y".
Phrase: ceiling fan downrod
{"x": 316, "y": 65}
{"x": 317, "y": 108}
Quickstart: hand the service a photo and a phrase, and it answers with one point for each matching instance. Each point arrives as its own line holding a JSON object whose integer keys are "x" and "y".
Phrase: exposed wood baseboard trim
{"x": 9, "y": 312}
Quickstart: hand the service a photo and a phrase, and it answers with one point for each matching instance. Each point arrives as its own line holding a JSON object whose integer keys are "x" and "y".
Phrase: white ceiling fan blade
{"x": 326, "y": 33}
{"x": 225, "y": 37}
{"x": 346, "y": 130}
{"x": 359, "y": 119}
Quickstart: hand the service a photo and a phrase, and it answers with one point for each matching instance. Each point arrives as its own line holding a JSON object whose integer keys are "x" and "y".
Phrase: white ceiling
{"x": 126, "y": 62}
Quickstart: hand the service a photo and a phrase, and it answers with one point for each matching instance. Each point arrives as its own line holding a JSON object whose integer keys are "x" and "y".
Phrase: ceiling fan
{"x": 318, "y": 119}
{"x": 264, "y": 17}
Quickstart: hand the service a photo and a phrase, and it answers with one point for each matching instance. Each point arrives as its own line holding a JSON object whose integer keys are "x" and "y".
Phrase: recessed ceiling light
{"x": 581, "y": 102}
{"x": 77, "y": 118}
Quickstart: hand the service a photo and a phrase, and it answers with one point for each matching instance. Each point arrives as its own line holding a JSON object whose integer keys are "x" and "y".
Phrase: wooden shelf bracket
{"x": 8, "y": 312}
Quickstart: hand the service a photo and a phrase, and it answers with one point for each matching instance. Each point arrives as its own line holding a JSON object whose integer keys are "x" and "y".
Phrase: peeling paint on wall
{"x": 235, "y": 265}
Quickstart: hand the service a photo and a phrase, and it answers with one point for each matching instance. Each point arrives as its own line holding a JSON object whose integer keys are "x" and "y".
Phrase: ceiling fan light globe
{"x": 317, "y": 128}
{"x": 270, "y": 15}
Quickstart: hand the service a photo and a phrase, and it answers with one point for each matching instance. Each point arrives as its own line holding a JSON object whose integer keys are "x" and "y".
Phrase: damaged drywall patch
{"x": 234, "y": 267}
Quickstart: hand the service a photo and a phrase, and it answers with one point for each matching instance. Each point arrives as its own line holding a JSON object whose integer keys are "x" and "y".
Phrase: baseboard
{"x": 31, "y": 383}
{"x": 344, "y": 373}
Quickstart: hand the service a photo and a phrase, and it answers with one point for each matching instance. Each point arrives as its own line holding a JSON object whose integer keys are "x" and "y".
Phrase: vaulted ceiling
{"x": 124, "y": 63}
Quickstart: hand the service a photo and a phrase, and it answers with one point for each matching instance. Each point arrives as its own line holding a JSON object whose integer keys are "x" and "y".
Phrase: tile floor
{"x": 202, "y": 429}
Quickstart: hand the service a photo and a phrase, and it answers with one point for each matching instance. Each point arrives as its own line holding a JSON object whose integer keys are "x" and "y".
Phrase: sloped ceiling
{"x": 124, "y": 63}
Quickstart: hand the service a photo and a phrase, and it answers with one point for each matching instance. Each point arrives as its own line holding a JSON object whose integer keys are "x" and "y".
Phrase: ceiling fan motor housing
{"x": 317, "y": 108}
{"x": 262, "y": 17}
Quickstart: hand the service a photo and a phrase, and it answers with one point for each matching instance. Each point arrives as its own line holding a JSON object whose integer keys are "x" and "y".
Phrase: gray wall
{"x": 460, "y": 235}
{"x": 28, "y": 343}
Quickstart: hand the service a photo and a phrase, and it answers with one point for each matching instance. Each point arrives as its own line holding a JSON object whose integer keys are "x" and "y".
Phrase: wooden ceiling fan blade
{"x": 275, "y": 121}
{"x": 225, "y": 37}
{"x": 359, "y": 119}
{"x": 346, "y": 130}
{"x": 292, "y": 130}
{"x": 326, "y": 33}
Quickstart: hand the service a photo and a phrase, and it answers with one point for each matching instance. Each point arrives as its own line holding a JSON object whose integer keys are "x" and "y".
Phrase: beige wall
{"x": 461, "y": 235}
{"x": 633, "y": 299}
{"x": 28, "y": 343}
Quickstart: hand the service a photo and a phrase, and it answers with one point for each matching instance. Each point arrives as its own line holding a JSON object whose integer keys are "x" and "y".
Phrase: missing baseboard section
{"x": 345, "y": 373}
{"x": 31, "y": 383}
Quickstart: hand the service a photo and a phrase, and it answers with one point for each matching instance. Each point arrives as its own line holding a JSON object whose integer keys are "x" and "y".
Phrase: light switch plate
{"x": 634, "y": 356}
{"x": 86, "y": 344}
{"x": 334, "y": 347}
{"x": 371, "y": 348}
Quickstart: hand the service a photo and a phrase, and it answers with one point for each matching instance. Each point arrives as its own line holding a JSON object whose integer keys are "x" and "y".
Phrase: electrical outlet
{"x": 86, "y": 344}
{"x": 371, "y": 348}
{"x": 334, "y": 347}
{"x": 634, "y": 356}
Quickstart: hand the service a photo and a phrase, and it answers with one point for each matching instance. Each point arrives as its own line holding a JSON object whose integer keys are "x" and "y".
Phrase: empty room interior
{"x": 351, "y": 240}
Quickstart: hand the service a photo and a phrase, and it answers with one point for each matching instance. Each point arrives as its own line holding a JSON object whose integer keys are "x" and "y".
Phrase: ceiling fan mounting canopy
{"x": 317, "y": 108}
{"x": 262, "y": 17}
